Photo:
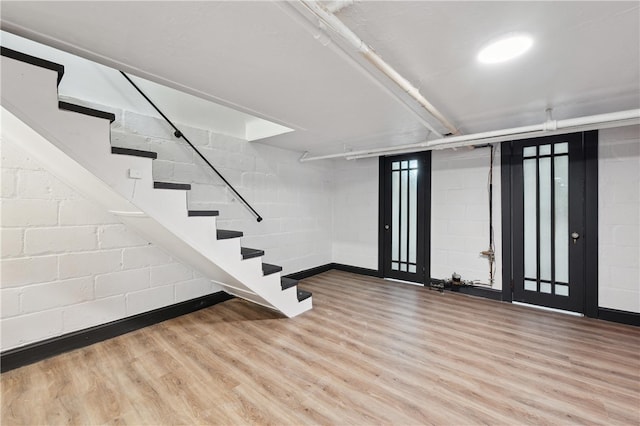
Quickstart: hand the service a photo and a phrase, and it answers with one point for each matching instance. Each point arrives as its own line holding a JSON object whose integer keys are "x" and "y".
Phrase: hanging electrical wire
{"x": 491, "y": 253}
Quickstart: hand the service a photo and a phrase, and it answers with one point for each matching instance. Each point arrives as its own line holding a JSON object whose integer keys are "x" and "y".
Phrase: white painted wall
{"x": 68, "y": 265}
{"x": 619, "y": 219}
{"x": 355, "y": 213}
{"x": 460, "y": 214}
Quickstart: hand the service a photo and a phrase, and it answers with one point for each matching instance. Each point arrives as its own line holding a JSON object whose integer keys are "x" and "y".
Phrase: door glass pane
{"x": 561, "y": 215}
{"x": 404, "y": 212}
{"x": 545, "y": 149}
{"x": 530, "y": 225}
{"x": 395, "y": 212}
{"x": 413, "y": 213}
{"x": 562, "y": 290}
{"x": 530, "y": 285}
{"x": 561, "y": 148}
{"x": 545, "y": 218}
{"x": 545, "y": 288}
{"x": 529, "y": 151}
{"x": 404, "y": 180}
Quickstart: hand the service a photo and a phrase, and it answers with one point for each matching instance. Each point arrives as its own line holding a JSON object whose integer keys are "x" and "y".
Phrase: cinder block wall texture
{"x": 619, "y": 219}
{"x": 68, "y": 265}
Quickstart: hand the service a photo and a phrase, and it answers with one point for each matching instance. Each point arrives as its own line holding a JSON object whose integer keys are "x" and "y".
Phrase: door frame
{"x": 382, "y": 188}
{"x": 590, "y": 264}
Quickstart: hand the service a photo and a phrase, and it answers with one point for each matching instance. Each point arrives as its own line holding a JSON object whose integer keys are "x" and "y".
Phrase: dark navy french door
{"x": 405, "y": 196}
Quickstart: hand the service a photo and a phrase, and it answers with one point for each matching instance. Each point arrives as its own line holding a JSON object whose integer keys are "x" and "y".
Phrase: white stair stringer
{"x": 77, "y": 149}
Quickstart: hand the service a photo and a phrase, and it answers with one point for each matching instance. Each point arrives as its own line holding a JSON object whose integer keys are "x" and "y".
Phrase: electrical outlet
{"x": 135, "y": 174}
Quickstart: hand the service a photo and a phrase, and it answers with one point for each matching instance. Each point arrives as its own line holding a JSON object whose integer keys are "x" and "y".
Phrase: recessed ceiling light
{"x": 505, "y": 48}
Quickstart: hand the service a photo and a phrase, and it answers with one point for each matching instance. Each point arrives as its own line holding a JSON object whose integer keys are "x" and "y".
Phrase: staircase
{"x": 74, "y": 141}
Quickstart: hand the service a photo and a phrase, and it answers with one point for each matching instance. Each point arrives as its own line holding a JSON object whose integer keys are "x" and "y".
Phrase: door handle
{"x": 575, "y": 236}
{"x": 386, "y": 227}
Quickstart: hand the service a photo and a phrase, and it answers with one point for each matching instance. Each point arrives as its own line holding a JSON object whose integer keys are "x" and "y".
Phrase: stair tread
{"x": 286, "y": 283}
{"x": 171, "y": 185}
{"x": 268, "y": 269}
{"x": 39, "y": 62}
{"x": 223, "y": 234}
{"x": 203, "y": 212}
{"x": 248, "y": 253}
{"x": 86, "y": 111}
{"x": 303, "y": 294}
{"x": 135, "y": 152}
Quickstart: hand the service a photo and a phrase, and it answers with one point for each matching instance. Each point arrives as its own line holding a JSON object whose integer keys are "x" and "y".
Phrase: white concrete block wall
{"x": 295, "y": 199}
{"x": 619, "y": 219}
{"x": 355, "y": 213}
{"x": 460, "y": 214}
{"x": 68, "y": 265}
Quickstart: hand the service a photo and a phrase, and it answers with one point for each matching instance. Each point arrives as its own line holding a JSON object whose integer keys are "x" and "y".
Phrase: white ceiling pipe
{"x": 497, "y": 139}
{"x": 337, "y": 6}
{"x": 319, "y": 32}
{"x": 549, "y": 127}
{"x": 413, "y": 147}
{"x": 336, "y": 25}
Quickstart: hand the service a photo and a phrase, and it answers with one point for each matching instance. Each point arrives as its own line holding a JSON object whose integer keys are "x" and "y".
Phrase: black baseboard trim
{"x": 357, "y": 270}
{"x": 487, "y": 293}
{"x": 337, "y": 266}
{"x": 300, "y": 275}
{"x": 623, "y": 317}
{"x": 38, "y": 351}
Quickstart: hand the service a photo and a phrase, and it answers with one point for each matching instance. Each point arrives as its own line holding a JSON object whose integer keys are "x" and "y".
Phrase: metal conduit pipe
{"x": 549, "y": 127}
{"x": 336, "y": 25}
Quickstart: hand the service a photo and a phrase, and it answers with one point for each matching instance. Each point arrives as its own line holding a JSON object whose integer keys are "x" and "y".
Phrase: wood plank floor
{"x": 370, "y": 352}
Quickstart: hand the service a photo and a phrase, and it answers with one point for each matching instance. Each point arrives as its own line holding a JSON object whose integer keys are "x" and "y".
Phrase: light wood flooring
{"x": 370, "y": 352}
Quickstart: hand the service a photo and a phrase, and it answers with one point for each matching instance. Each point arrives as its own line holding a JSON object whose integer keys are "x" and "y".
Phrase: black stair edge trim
{"x": 86, "y": 111}
{"x": 34, "y": 352}
{"x": 622, "y": 317}
{"x": 172, "y": 185}
{"x": 286, "y": 283}
{"x": 250, "y": 253}
{"x": 203, "y": 213}
{"x": 303, "y": 295}
{"x": 268, "y": 269}
{"x": 225, "y": 234}
{"x": 38, "y": 62}
{"x": 134, "y": 152}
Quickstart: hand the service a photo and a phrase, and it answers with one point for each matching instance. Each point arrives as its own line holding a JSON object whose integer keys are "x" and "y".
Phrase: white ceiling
{"x": 269, "y": 60}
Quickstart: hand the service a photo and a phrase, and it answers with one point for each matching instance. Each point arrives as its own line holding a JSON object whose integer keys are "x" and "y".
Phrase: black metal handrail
{"x": 178, "y": 134}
